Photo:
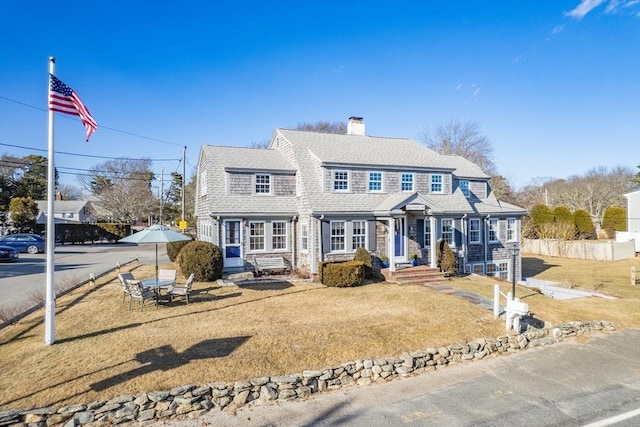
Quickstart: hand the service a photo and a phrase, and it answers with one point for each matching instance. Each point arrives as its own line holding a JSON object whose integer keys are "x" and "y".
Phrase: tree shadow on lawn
{"x": 165, "y": 358}
{"x": 532, "y": 266}
{"x": 264, "y": 284}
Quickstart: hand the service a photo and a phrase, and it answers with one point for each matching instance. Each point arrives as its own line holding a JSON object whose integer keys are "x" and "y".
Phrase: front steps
{"x": 418, "y": 275}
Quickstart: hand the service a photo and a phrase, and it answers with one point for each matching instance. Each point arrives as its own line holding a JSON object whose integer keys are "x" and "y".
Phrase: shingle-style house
{"x": 311, "y": 197}
{"x": 66, "y": 212}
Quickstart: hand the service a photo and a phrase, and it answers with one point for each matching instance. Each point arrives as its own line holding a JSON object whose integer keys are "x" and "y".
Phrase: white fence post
{"x": 496, "y": 300}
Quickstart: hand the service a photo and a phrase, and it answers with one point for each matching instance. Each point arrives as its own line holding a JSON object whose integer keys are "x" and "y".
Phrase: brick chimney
{"x": 355, "y": 126}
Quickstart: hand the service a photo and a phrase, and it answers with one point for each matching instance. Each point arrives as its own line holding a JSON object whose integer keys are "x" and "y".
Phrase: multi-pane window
{"x": 478, "y": 269}
{"x": 263, "y": 184}
{"x": 406, "y": 182}
{"x": 493, "y": 230}
{"x": 338, "y": 235}
{"x": 512, "y": 235}
{"x": 279, "y": 235}
{"x": 474, "y": 230}
{"x": 464, "y": 187}
{"x": 436, "y": 183}
{"x": 427, "y": 233}
{"x": 340, "y": 180}
{"x": 500, "y": 270}
{"x": 447, "y": 231}
{"x": 256, "y": 236}
{"x": 375, "y": 181}
{"x": 359, "y": 234}
{"x": 304, "y": 236}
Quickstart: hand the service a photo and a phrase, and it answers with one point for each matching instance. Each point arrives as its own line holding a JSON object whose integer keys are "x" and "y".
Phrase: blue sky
{"x": 555, "y": 85}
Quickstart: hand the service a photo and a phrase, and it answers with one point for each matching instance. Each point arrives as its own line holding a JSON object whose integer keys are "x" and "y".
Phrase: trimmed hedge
{"x": 203, "y": 259}
{"x": 341, "y": 274}
{"x": 363, "y": 255}
{"x": 174, "y": 248}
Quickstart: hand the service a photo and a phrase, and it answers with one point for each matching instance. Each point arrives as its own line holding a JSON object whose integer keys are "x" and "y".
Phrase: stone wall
{"x": 193, "y": 401}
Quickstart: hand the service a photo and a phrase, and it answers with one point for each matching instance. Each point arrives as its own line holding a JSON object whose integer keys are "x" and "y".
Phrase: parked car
{"x": 24, "y": 242}
{"x": 7, "y": 253}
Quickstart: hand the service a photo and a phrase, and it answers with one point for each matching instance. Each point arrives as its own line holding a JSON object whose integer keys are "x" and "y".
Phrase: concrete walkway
{"x": 476, "y": 299}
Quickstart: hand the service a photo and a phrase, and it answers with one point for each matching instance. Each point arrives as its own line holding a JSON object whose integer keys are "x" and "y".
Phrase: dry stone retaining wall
{"x": 195, "y": 400}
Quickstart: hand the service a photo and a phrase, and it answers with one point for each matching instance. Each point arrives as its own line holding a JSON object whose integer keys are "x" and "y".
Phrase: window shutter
{"x": 326, "y": 237}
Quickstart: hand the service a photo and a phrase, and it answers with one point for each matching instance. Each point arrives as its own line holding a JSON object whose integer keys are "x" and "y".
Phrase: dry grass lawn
{"x": 104, "y": 350}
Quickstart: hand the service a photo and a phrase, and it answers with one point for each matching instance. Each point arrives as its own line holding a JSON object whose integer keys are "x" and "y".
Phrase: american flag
{"x": 63, "y": 99}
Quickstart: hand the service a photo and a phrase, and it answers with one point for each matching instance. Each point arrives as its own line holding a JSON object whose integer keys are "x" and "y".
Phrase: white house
{"x": 66, "y": 212}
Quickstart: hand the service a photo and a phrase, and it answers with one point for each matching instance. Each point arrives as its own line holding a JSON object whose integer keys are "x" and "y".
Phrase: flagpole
{"x": 50, "y": 303}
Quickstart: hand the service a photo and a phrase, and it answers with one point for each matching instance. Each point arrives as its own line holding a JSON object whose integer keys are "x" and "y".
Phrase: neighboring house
{"x": 66, "y": 212}
{"x": 312, "y": 197}
{"x": 633, "y": 220}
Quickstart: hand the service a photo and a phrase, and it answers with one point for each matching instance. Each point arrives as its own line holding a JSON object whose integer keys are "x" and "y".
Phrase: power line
{"x": 100, "y": 126}
{"x": 87, "y": 155}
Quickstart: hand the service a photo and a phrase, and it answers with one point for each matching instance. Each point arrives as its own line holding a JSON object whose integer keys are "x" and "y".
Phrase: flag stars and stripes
{"x": 63, "y": 99}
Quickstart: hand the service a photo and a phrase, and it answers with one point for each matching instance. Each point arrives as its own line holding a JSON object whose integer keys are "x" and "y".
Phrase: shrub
{"x": 364, "y": 256}
{"x": 341, "y": 274}
{"x": 562, "y": 214}
{"x": 584, "y": 224}
{"x": 204, "y": 259}
{"x": 174, "y": 248}
{"x": 615, "y": 218}
{"x": 446, "y": 258}
{"x": 541, "y": 214}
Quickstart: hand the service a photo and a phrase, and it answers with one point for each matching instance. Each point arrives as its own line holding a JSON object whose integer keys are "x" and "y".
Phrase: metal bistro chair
{"x": 125, "y": 278}
{"x": 182, "y": 291}
{"x": 141, "y": 294}
{"x": 167, "y": 274}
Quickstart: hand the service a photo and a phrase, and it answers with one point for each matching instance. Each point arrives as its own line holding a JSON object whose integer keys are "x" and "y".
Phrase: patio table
{"x": 156, "y": 285}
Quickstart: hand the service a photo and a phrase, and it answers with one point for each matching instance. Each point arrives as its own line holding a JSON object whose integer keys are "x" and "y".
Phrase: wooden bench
{"x": 270, "y": 264}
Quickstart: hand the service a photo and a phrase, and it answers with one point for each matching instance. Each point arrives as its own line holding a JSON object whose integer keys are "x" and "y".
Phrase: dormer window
{"x": 436, "y": 183}
{"x": 406, "y": 182}
{"x": 340, "y": 180}
{"x": 263, "y": 184}
{"x": 464, "y": 187}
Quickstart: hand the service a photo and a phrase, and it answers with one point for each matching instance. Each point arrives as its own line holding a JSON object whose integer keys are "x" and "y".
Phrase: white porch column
{"x": 434, "y": 242}
{"x": 312, "y": 245}
{"x": 392, "y": 244}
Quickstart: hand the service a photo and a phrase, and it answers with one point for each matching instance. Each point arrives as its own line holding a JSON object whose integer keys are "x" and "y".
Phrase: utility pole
{"x": 184, "y": 177}
{"x": 161, "y": 191}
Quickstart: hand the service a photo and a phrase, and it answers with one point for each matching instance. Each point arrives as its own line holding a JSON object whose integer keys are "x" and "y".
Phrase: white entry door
{"x": 400, "y": 241}
{"x": 232, "y": 235}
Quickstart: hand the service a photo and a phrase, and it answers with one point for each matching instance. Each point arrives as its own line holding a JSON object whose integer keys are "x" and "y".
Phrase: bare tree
{"x": 122, "y": 188}
{"x": 462, "y": 139}
{"x": 324, "y": 127}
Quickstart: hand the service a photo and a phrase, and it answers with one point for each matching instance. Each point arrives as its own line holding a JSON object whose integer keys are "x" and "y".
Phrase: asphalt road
{"x": 568, "y": 384}
{"x": 73, "y": 264}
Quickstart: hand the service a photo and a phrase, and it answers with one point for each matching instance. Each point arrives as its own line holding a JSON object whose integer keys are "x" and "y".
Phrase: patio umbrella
{"x": 155, "y": 234}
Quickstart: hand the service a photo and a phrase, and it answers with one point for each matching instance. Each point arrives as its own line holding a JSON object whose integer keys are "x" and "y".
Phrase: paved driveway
{"x": 73, "y": 264}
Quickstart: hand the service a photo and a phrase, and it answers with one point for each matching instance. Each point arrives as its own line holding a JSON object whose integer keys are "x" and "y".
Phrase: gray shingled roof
{"x": 61, "y": 206}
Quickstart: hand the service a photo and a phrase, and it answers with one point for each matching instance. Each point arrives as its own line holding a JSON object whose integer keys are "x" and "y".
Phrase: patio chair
{"x": 125, "y": 278}
{"x": 182, "y": 291}
{"x": 137, "y": 292}
{"x": 167, "y": 274}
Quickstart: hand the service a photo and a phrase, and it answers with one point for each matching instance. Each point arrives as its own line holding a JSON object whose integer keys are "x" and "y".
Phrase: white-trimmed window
{"x": 304, "y": 236}
{"x": 427, "y": 233}
{"x": 478, "y": 269}
{"x": 493, "y": 230}
{"x": 499, "y": 269}
{"x": 359, "y": 234}
{"x": 474, "y": 230}
{"x": 447, "y": 231}
{"x": 436, "y": 183}
{"x": 263, "y": 184}
{"x": 464, "y": 187}
{"x": 279, "y": 235}
{"x": 375, "y": 181}
{"x": 256, "y": 236}
{"x": 338, "y": 236}
{"x": 341, "y": 180}
{"x": 203, "y": 183}
{"x": 512, "y": 230}
{"x": 406, "y": 182}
